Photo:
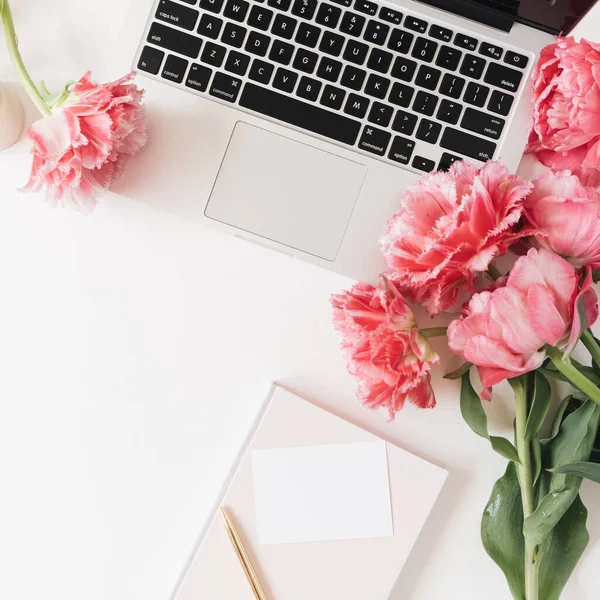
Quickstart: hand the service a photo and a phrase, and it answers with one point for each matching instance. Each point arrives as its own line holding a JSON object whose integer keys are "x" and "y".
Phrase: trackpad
{"x": 285, "y": 191}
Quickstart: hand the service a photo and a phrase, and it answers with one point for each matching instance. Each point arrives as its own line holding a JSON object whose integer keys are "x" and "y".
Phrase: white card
{"x": 318, "y": 493}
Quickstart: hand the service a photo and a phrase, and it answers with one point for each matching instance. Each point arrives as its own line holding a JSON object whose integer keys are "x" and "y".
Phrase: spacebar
{"x": 300, "y": 114}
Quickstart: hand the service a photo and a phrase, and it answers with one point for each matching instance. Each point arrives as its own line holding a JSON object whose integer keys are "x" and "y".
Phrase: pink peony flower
{"x": 566, "y": 122}
{"x": 82, "y": 147}
{"x": 449, "y": 228}
{"x": 384, "y": 348}
{"x": 564, "y": 216}
{"x": 503, "y": 332}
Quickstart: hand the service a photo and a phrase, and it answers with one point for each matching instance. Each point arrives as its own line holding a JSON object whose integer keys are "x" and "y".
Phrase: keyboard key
{"x": 236, "y": 10}
{"x": 423, "y": 164}
{"x": 225, "y": 87}
{"x": 404, "y": 122}
{"x": 295, "y": 112}
{"x": 212, "y": 5}
{"x": 355, "y": 52}
{"x": 174, "y": 68}
{"x": 374, "y": 140}
{"x": 281, "y": 52}
{"x": 448, "y": 58}
{"x": 376, "y": 32}
{"x": 308, "y": 35}
{"x": 415, "y": 24}
{"x": 447, "y": 161}
{"x": 379, "y": 60}
{"x": 472, "y": 66}
{"x": 176, "y": 14}
{"x": 329, "y": 69}
{"x": 356, "y": 106}
{"x": 452, "y": 86}
{"x": 333, "y": 97}
{"x": 500, "y": 102}
{"x": 260, "y": 17}
{"x": 213, "y": 54}
{"x": 174, "y": 40}
{"x": 237, "y": 63}
{"x": 365, "y": 6}
{"x": 428, "y": 131}
{"x": 345, "y": 3}
{"x": 401, "y": 95}
{"x": 284, "y": 27}
{"x": 464, "y": 41}
{"x": 467, "y": 144}
{"x": 516, "y": 60}
{"x": 425, "y": 103}
{"x": 400, "y": 41}
{"x": 305, "y": 60}
{"x": 328, "y": 15}
{"x": 401, "y": 150}
{"x": 331, "y": 43}
{"x": 233, "y": 35}
{"x": 490, "y": 50}
{"x": 503, "y": 77}
{"x": 198, "y": 77}
{"x": 309, "y": 89}
{"x": 476, "y": 94}
{"x": 279, "y": 4}
{"x": 480, "y": 122}
{"x": 285, "y": 80}
{"x": 150, "y": 60}
{"x": 440, "y": 33}
{"x": 380, "y": 114}
{"x": 210, "y": 26}
{"x": 449, "y": 111}
{"x": 377, "y": 86}
{"x": 353, "y": 78}
{"x": 257, "y": 43}
{"x": 404, "y": 68}
{"x": 428, "y": 77}
{"x": 390, "y": 15}
{"x": 304, "y": 8}
{"x": 424, "y": 49}
{"x": 261, "y": 71}
{"x": 352, "y": 24}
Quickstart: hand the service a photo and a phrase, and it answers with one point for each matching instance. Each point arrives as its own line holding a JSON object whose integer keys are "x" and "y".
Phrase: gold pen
{"x": 243, "y": 557}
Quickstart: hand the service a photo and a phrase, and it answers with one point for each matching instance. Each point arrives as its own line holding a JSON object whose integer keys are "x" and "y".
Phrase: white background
{"x": 131, "y": 343}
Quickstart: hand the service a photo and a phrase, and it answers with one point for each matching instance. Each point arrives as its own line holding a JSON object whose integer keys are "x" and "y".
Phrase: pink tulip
{"x": 566, "y": 91}
{"x": 564, "y": 216}
{"x": 503, "y": 332}
{"x": 384, "y": 348}
{"x": 82, "y": 147}
{"x": 449, "y": 228}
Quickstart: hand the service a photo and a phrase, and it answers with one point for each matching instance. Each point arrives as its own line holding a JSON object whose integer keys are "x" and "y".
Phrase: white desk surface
{"x": 131, "y": 345}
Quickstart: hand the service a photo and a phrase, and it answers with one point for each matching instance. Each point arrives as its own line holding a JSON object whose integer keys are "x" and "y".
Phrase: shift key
{"x": 483, "y": 123}
{"x": 172, "y": 39}
{"x": 467, "y": 144}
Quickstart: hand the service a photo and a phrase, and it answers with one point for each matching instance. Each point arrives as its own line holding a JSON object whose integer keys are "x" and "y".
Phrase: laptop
{"x": 312, "y": 116}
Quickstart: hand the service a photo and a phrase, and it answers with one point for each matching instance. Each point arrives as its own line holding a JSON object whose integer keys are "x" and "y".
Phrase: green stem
{"x": 433, "y": 332}
{"x": 13, "y": 50}
{"x": 493, "y": 272}
{"x": 573, "y": 375}
{"x": 589, "y": 342}
{"x": 525, "y": 471}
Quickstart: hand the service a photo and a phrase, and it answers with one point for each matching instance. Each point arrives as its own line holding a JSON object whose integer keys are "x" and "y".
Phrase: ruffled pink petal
{"x": 544, "y": 317}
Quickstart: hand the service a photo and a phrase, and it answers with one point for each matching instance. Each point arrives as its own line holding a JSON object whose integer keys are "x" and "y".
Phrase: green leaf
{"x": 562, "y": 550}
{"x": 590, "y": 373}
{"x": 458, "y": 373}
{"x": 536, "y": 448}
{"x": 558, "y": 418}
{"x": 539, "y": 406}
{"x": 573, "y": 443}
{"x": 587, "y": 470}
{"x": 501, "y": 530}
{"x": 553, "y": 373}
{"x": 596, "y": 276}
{"x": 474, "y": 415}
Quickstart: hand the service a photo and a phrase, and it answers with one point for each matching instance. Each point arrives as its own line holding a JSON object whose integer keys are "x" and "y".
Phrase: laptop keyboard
{"x": 364, "y": 75}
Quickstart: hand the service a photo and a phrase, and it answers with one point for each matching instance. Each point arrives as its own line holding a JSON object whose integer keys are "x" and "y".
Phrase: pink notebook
{"x": 352, "y": 569}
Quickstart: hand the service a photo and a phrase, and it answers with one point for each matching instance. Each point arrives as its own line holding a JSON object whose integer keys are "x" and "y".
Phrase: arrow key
{"x": 381, "y": 114}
